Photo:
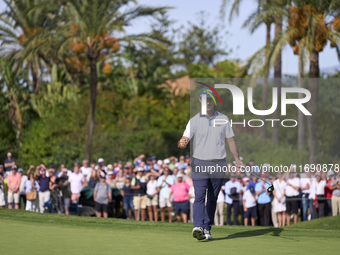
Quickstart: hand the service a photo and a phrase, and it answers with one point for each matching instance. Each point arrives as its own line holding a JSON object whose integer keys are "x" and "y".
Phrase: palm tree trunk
{"x": 277, "y": 83}
{"x": 301, "y": 116}
{"x": 314, "y": 73}
{"x": 36, "y": 80}
{"x": 93, "y": 94}
{"x": 265, "y": 88}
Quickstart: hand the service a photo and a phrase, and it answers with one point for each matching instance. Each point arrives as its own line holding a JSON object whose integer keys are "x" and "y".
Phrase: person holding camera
{"x": 232, "y": 190}
{"x": 249, "y": 206}
{"x": 32, "y": 186}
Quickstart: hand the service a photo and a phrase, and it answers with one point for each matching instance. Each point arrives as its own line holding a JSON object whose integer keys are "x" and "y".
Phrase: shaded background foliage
{"x": 45, "y": 102}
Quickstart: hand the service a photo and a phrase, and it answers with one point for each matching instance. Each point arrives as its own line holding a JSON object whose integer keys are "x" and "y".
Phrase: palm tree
{"x": 311, "y": 24}
{"x": 19, "y": 23}
{"x": 263, "y": 14}
{"x": 92, "y": 24}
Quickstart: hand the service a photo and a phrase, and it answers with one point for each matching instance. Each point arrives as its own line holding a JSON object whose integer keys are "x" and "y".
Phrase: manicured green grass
{"x": 33, "y": 233}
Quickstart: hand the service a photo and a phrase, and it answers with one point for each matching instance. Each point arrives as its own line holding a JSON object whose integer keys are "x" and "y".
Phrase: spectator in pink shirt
{"x": 13, "y": 183}
{"x": 180, "y": 196}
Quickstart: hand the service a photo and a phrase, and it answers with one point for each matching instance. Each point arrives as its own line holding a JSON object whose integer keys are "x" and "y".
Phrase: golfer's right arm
{"x": 187, "y": 135}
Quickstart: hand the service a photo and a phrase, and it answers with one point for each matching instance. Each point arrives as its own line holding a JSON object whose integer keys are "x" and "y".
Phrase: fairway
{"x": 33, "y": 233}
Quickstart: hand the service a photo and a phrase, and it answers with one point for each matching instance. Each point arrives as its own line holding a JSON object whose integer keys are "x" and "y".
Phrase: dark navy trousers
{"x": 206, "y": 183}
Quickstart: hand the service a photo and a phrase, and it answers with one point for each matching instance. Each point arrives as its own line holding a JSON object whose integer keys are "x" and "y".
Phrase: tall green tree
{"x": 263, "y": 14}
{"x": 20, "y": 22}
{"x": 311, "y": 24}
{"x": 91, "y": 27}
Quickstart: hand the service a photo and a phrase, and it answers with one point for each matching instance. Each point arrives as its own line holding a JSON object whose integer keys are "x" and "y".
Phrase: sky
{"x": 241, "y": 41}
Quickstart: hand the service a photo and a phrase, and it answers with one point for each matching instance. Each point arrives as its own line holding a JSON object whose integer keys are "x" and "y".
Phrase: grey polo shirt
{"x": 209, "y": 140}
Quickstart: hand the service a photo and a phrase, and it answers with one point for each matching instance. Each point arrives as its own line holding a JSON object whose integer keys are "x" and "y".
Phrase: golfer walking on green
{"x": 209, "y": 133}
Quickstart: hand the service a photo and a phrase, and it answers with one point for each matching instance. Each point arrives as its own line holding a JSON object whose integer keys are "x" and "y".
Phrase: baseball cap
{"x": 166, "y": 161}
{"x": 182, "y": 166}
{"x": 65, "y": 170}
{"x": 187, "y": 156}
{"x": 330, "y": 173}
{"x": 9, "y": 154}
{"x": 100, "y": 160}
{"x": 1, "y": 166}
{"x": 159, "y": 162}
{"x": 77, "y": 163}
{"x": 317, "y": 175}
{"x": 270, "y": 177}
{"x": 110, "y": 172}
{"x": 180, "y": 175}
{"x": 153, "y": 158}
{"x": 204, "y": 92}
{"x": 126, "y": 167}
{"x": 20, "y": 170}
{"x": 140, "y": 169}
{"x": 52, "y": 166}
{"x": 128, "y": 177}
{"x": 14, "y": 167}
{"x": 232, "y": 175}
{"x": 251, "y": 160}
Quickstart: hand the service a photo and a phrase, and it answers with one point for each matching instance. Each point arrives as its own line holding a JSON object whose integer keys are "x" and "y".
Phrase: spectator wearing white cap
{"x": 180, "y": 190}
{"x": 9, "y": 162}
{"x": 152, "y": 197}
{"x": 164, "y": 184}
{"x": 101, "y": 165}
{"x": 138, "y": 185}
{"x": 102, "y": 197}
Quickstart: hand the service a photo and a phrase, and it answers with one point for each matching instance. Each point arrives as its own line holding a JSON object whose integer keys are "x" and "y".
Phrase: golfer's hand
{"x": 182, "y": 143}
{"x": 239, "y": 162}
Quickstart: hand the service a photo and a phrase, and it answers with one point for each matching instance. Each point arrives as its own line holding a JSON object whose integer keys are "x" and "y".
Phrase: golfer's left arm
{"x": 234, "y": 150}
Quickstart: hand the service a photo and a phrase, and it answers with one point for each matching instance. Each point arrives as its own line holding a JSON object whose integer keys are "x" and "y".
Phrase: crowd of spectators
{"x": 148, "y": 187}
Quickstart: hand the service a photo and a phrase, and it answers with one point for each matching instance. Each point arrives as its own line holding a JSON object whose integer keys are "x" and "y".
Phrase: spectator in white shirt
{"x": 31, "y": 184}
{"x": 86, "y": 170}
{"x": 22, "y": 187}
{"x": 292, "y": 197}
{"x": 249, "y": 206}
{"x": 76, "y": 180}
{"x": 306, "y": 201}
{"x": 232, "y": 190}
{"x": 152, "y": 197}
{"x": 320, "y": 199}
{"x": 280, "y": 199}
